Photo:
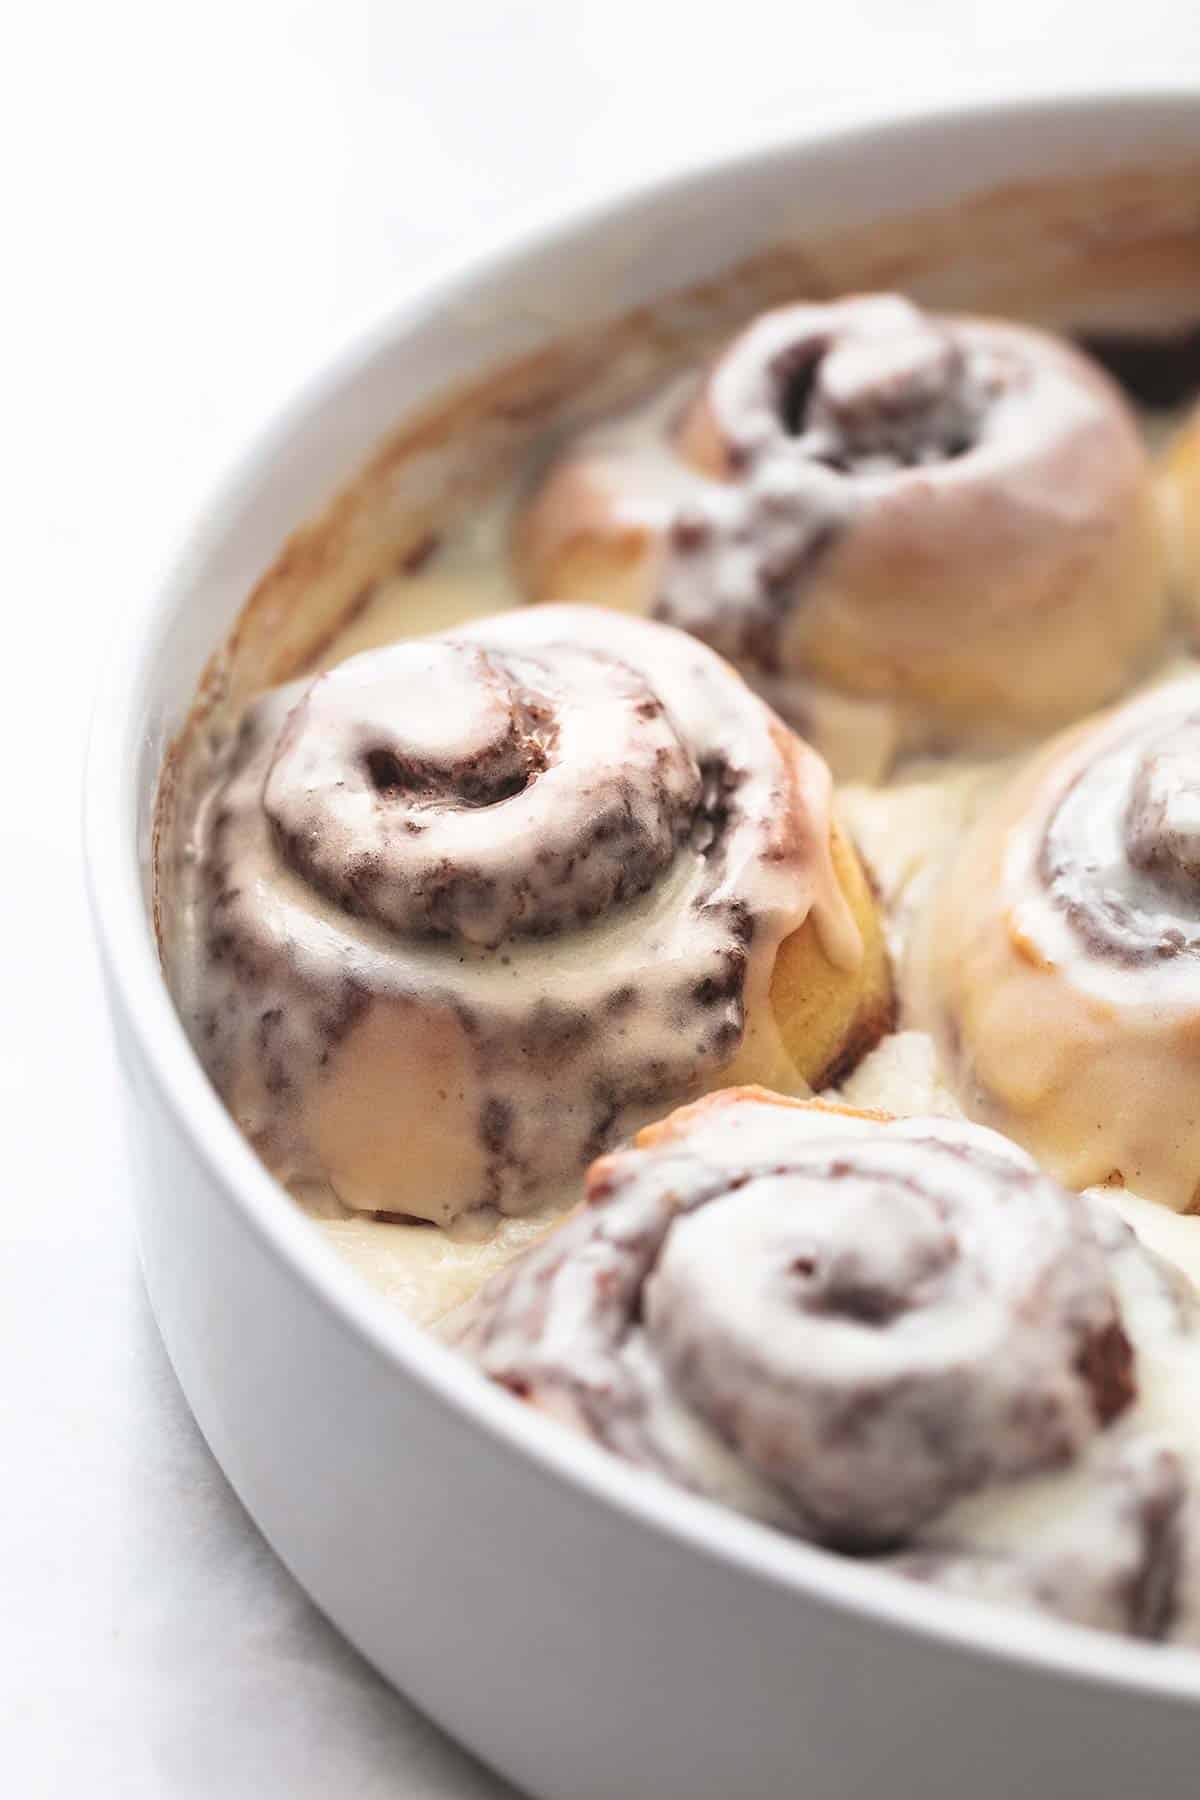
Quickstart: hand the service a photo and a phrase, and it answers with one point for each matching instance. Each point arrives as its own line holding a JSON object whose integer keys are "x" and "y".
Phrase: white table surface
{"x": 195, "y": 199}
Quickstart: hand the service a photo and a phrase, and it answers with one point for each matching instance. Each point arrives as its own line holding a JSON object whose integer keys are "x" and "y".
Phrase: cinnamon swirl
{"x": 468, "y": 907}
{"x": 1060, "y": 964}
{"x": 888, "y": 1336}
{"x": 951, "y": 516}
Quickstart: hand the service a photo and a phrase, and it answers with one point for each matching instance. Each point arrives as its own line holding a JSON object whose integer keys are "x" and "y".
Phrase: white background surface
{"x": 194, "y": 201}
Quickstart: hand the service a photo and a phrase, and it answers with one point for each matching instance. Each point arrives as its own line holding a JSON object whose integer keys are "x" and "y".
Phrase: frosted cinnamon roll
{"x": 1060, "y": 964}
{"x": 951, "y": 515}
{"x": 888, "y": 1336}
{"x": 840, "y": 1322}
{"x": 469, "y": 907}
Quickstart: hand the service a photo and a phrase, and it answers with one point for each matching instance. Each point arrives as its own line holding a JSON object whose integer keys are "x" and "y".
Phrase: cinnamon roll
{"x": 852, "y": 1320}
{"x": 1059, "y": 967}
{"x": 467, "y": 908}
{"x": 951, "y": 516}
{"x": 888, "y": 1336}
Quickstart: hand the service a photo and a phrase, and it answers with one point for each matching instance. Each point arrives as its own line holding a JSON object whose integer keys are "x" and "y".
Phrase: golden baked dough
{"x": 1180, "y": 490}
{"x": 826, "y": 1021}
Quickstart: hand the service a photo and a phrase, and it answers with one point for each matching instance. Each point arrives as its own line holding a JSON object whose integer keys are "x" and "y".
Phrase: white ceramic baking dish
{"x": 590, "y": 1632}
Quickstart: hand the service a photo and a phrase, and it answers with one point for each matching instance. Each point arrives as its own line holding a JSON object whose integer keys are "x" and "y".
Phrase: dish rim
{"x": 128, "y": 953}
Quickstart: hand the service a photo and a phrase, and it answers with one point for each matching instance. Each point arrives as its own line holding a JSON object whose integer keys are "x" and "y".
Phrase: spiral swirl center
{"x": 901, "y": 397}
{"x": 459, "y": 733}
{"x": 809, "y": 405}
{"x": 1121, "y": 853}
{"x": 1162, "y": 820}
{"x": 870, "y": 386}
{"x": 871, "y": 1261}
{"x": 450, "y": 790}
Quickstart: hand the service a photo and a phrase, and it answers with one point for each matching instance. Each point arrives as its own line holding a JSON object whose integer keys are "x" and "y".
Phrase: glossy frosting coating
{"x": 464, "y": 909}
